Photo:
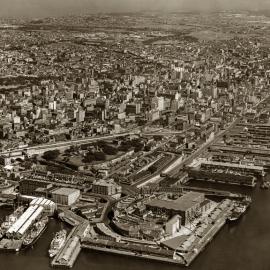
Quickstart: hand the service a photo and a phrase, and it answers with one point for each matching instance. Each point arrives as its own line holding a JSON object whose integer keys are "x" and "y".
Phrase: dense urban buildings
{"x": 145, "y": 132}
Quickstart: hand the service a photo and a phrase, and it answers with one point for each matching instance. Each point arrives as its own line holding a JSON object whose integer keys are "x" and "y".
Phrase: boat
{"x": 237, "y": 212}
{"x": 35, "y": 232}
{"x": 240, "y": 208}
{"x": 265, "y": 185}
{"x": 247, "y": 201}
{"x": 10, "y": 220}
{"x": 57, "y": 243}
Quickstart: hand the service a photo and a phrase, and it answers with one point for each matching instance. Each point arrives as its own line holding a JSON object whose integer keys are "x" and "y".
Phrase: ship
{"x": 265, "y": 185}
{"x": 10, "y": 220}
{"x": 239, "y": 209}
{"x": 237, "y": 212}
{"x": 35, "y": 232}
{"x": 57, "y": 243}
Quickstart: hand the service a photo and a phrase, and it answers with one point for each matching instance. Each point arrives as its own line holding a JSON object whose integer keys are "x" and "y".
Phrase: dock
{"x": 215, "y": 192}
{"x": 207, "y": 191}
{"x": 71, "y": 218}
{"x": 68, "y": 255}
{"x": 200, "y": 244}
{"x": 175, "y": 252}
{"x": 72, "y": 247}
{"x": 131, "y": 254}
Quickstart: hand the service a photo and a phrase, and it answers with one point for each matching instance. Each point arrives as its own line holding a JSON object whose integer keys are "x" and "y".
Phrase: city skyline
{"x": 135, "y": 128}
{"x": 39, "y": 8}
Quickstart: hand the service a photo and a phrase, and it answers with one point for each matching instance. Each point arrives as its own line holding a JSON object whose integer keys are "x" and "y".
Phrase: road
{"x": 141, "y": 182}
{"x": 143, "y": 155}
{"x": 174, "y": 173}
{"x": 67, "y": 143}
{"x": 52, "y": 146}
{"x": 203, "y": 147}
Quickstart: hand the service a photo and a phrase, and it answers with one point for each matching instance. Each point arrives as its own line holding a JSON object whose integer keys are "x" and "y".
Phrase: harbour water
{"x": 244, "y": 245}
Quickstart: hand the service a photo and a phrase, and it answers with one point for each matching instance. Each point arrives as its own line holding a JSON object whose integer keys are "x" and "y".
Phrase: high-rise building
{"x": 80, "y": 115}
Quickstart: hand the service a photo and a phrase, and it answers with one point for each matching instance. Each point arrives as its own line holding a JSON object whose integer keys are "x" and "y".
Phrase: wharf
{"x": 252, "y": 185}
{"x": 72, "y": 247}
{"x": 10, "y": 245}
{"x": 206, "y": 191}
{"x": 132, "y": 254}
{"x": 175, "y": 254}
{"x": 69, "y": 253}
{"x": 71, "y": 218}
{"x": 200, "y": 244}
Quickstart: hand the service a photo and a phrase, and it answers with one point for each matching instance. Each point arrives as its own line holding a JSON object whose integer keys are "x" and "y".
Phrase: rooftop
{"x": 183, "y": 203}
{"x": 64, "y": 191}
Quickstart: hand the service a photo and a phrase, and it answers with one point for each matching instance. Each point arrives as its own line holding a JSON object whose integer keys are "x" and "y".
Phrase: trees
{"x": 137, "y": 144}
{"x": 147, "y": 148}
{"x": 109, "y": 150}
{"x": 152, "y": 169}
{"x": 138, "y": 148}
{"x": 157, "y": 138}
{"x": 124, "y": 147}
{"x": 99, "y": 156}
{"x": 51, "y": 155}
{"x": 85, "y": 146}
{"x": 89, "y": 158}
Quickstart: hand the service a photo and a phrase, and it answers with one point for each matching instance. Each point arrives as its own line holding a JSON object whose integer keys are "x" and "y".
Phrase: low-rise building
{"x": 108, "y": 188}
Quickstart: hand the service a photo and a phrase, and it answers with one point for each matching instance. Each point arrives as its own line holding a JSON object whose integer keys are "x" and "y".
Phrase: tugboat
{"x": 35, "y": 232}
{"x": 57, "y": 243}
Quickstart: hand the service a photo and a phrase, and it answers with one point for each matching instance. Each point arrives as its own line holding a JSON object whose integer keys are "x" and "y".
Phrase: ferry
{"x": 35, "y": 232}
{"x": 57, "y": 243}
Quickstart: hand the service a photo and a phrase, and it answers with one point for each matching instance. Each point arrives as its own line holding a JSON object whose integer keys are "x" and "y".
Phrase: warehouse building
{"x": 188, "y": 206}
{"x": 24, "y": 222}
{"x": 30, "y": 187}
{"x": 48, "y": 205}
{"x": 65, "y": 196}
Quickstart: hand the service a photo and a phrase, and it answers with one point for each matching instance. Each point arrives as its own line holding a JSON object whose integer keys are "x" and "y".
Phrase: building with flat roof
{"x": 187, "y": 206}
{"x": 65, "y": 196}
{"x": 108, "y": 187}
{"x": 29, "y": 187}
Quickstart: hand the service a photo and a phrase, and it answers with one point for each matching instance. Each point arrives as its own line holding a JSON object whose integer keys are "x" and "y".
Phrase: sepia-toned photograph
{"x": 135, "y": 134}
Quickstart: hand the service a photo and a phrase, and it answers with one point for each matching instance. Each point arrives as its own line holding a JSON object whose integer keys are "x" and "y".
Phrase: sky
{"x": 44, "y": 8}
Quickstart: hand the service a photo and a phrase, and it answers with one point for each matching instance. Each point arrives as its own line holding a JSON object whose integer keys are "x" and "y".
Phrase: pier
{"x": 72, "y": 247}
{"x": 68, "y": 255}
{"x": 71, "y": 218}
{"x": 206, "y": 191}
